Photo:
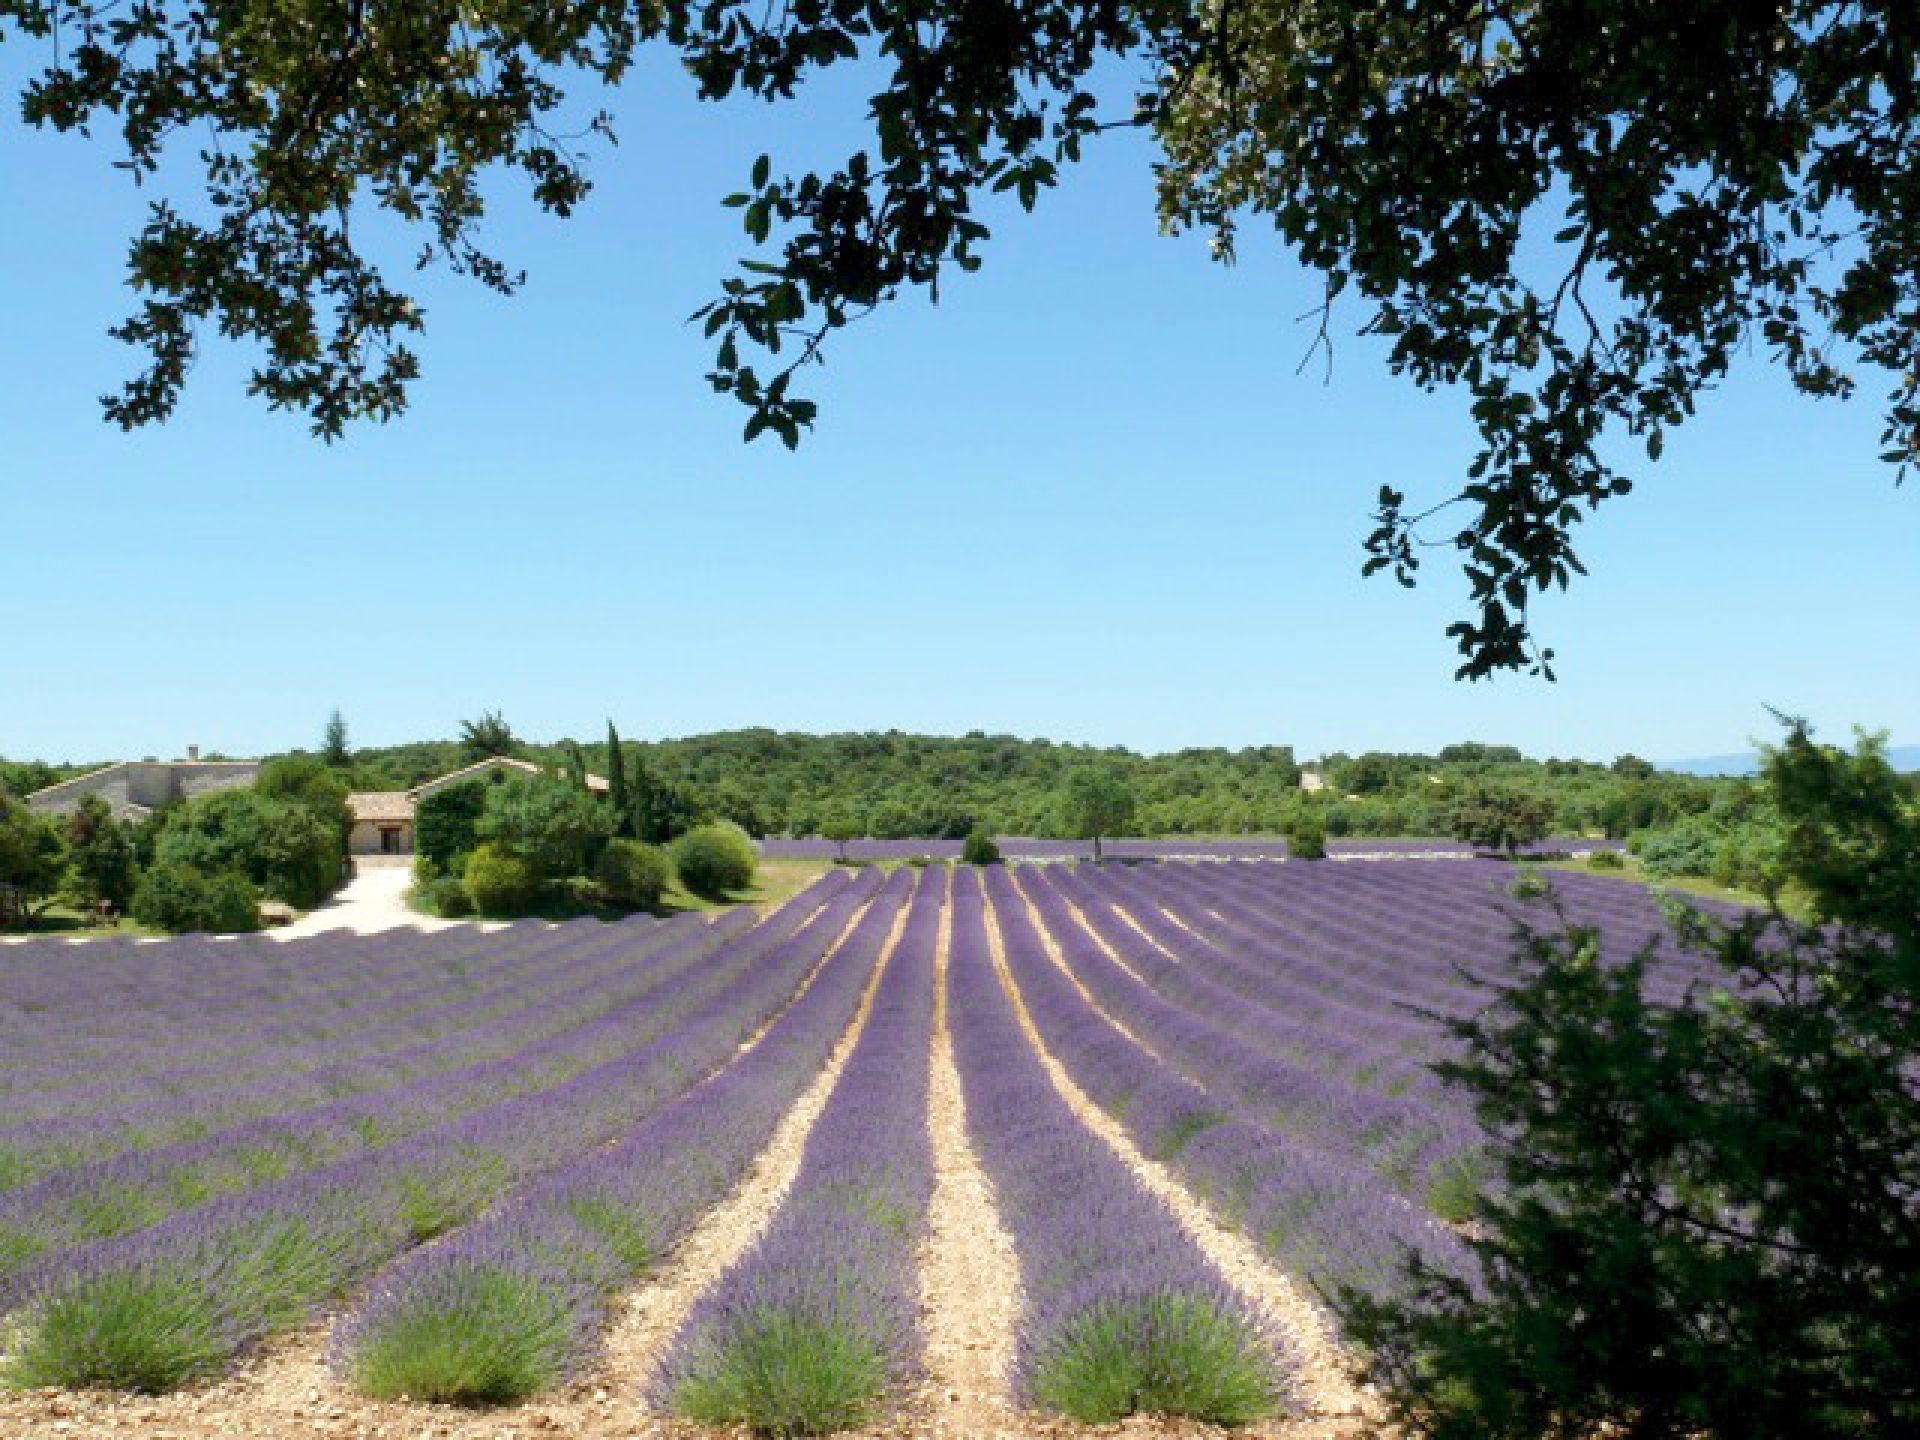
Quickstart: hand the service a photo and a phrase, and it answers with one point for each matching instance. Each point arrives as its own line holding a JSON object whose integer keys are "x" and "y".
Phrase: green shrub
{"x": 499, "y": 883}
{"x": 445, "y": 896}
{"x": 634, "y": 876}
{"x": 178, "y": 898}
{"x": 714, "y": 859}
{"x": 979, "y": 848}
{"x": 1307, "y": 838}
{"x": 1606, "y": 860}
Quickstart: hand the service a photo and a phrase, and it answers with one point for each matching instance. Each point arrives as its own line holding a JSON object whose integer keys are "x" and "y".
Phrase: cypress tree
{"x": 617, "y": 784}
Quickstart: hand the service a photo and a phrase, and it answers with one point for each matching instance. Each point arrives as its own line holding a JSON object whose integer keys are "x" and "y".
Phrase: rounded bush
{"x": 634, "y": 875}
{"x": 178, "y": 898}
{"x": 499, "y": 883}
{"x": 1307, "y": 839}
{"x": 713, "y": 860}
{"x": 1607, "y": 860}
{"x": 979, "y": 849}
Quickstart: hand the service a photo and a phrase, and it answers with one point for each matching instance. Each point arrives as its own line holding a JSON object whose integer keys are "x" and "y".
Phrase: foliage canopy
{"x": 1574, "y": 213}
{"x": 1705, "y": 1224}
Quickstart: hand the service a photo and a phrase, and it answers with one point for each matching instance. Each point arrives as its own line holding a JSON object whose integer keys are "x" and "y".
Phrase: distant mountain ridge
{"x": 1902, "y": 757}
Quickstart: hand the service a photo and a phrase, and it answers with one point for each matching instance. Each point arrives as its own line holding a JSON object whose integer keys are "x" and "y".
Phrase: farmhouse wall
{"x": 147, "y": 784}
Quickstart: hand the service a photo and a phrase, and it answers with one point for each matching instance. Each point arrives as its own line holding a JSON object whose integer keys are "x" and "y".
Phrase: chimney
{"x": 193, "y": 752}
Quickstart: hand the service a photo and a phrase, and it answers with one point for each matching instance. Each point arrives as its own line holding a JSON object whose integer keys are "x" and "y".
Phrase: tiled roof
{"x": 377, "y": 805}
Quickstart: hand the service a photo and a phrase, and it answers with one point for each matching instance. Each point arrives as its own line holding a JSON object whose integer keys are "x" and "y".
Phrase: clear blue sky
{"x": 1086, "y": 497}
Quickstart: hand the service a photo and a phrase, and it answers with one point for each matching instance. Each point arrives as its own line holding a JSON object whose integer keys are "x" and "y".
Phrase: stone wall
{"x": 146, "y": 784}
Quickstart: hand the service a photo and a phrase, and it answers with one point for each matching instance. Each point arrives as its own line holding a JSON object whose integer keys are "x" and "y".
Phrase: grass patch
{"x": 774, "y": 882}
{"x": 1793, "y": 900}
{"x": 782, "y": 1373}
{"x": 144, "y": 1331}
{"x": 487, "y": 1338}
{"x": 1166, "y": 1354}
{"x": 70, "y": 924}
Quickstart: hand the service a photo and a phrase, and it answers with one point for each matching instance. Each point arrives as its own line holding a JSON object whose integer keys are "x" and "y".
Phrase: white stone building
{"x": 134, "y": 789}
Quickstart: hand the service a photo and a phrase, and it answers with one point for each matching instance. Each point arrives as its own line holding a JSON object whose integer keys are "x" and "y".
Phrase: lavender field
{"x": 706, "y": 1170}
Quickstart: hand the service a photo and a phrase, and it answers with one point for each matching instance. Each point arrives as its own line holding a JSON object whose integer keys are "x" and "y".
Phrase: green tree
{"x": 446, "y": 825}
{"x": 1500, "y": 818}
{"x": 1701, "y": 180}
{"x": 1096, "y": 801}
{"x": 311, "y": 784}
{"x": 662, "y": 810}
{"x": 1307, "y": 837}
{"x": 1704, "y": 1226}
{"x": 101, "y": 865}
{"x": 979, "y": 849}
{"x": 842, "y": 827}
{"x": 32, "y": 860}
{"x": 619, "y": 797}
{"x": 334, "y": 750}
{"x": 283, "y": 847}
{"x": 487, "y": 737}
{"x": 553, "y": 825}
{"x": 576, "y": 764}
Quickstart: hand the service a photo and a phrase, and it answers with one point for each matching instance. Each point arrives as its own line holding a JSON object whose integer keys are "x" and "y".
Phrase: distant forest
{"x": 896, "y": 785}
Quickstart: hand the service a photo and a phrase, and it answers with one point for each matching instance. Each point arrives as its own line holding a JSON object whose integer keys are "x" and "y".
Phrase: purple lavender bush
{"x": 259, "y": 1262}
{"x": 811, "y": 1329}
{"x": 508, "y": 1306}
{"x": 1122, "y": 1314}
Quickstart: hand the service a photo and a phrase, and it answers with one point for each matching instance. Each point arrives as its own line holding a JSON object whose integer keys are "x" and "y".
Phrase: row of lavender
{"x": 818, "y": 1323}
{"x": 554, "y": 995}
{"x": 227, "y": 1272}
{"x": 1121, "y": 1311}
{"x": 511, "y": 1304}
{"x": 1015, "y": 847}
{"x": 167, "y": 1037}
{"x": 283, "y": 1126}
{"x": 1265, "y": 1031}
{"x": 56, "y": 993}
{"x": 1314, "y": 1210}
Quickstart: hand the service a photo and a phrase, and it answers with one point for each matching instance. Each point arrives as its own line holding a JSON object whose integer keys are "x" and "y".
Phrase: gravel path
{"x": 970, "y": 1278}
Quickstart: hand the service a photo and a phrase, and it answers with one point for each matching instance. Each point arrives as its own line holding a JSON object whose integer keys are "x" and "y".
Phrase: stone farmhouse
{"x": 134, "y": 789}
{"x": 383, "y": 819}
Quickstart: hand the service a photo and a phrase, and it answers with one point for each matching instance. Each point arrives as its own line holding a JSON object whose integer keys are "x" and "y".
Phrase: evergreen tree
{"x": 334, "y": 749}
{"x": 617, "y": 793}
{"x": 576, "y": 764}
{"x": 487, "y": 737}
